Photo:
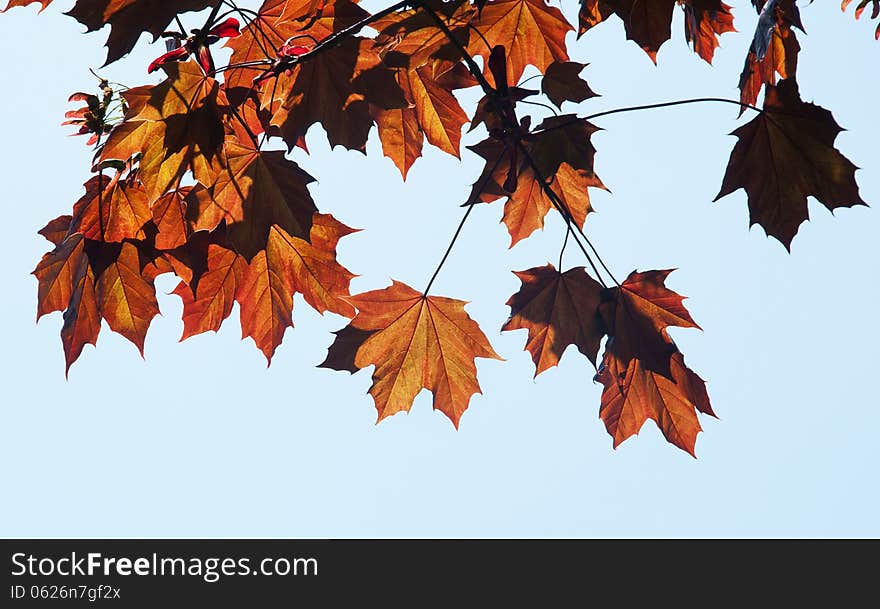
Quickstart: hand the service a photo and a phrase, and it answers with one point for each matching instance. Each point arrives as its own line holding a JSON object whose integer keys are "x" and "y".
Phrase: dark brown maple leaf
{"x": 128, "y": 19}
{"x": 785, "y": 155}
{"x": 558, "y": 309}
{"x": 335, "y": 89}
{"x": 255, "y": 190}
{"x": 562, "y": 83}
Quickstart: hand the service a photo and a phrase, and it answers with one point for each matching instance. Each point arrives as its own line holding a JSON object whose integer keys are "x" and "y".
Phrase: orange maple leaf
{"x": 642, "y": 370}
{"x": 531, "y": 31}
{"x": 560, "y": 149}
{"x": 433, "y": 113}
{"x": 633, "y": 394}
{"x": 176, "y": 126}
{"x": 774, "y": 49}
{"x": 286, "y": 266}
{"x": 280, "y": 20}
{"x": 112, "y": 210}
{"x": 415, "y": 341}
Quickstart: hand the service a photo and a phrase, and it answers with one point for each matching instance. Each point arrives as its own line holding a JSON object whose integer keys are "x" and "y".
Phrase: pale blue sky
{"x": 201, "y": 439}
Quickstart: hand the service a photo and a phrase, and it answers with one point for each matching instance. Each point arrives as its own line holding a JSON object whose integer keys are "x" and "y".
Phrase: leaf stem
{"x": 564, "y": 243}
{"x": 461, "y": 224}
{"x": 682, "y": 102}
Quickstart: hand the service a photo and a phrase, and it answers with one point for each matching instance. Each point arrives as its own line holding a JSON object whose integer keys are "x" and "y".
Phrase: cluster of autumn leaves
{"x": 182, "y": 184}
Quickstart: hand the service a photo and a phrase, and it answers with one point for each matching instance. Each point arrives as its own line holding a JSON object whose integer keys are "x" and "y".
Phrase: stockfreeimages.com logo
{"x": 209, "y": 569}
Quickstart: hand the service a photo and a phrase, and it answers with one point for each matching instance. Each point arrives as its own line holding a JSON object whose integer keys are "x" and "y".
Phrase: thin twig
{"x": 449, "y": 249}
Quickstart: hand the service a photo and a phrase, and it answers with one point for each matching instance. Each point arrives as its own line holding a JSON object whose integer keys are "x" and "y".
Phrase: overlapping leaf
{"x": 256, "y": 190}
{"x": 558, "y": 309}
{"x": 411, "y": 38}
{"x": 113, "y": 209}
{"x": 433, "y": 113}
{"x": 532, "y": 32}
{"x": 785, "y": 155}
{"x": 774, "y": 49}
{"x": 643, "y": 372}
{"x": 175, "y": 127}
{"x": 561, "y": 152}
{"x": 705, "y": 21}
{"x": 634, "y": 394}
{"x": 91, "y": 280}
{"x": 335, "y": 89}
{"x": 289, "y": 265}
{"x": 280, "y": 20}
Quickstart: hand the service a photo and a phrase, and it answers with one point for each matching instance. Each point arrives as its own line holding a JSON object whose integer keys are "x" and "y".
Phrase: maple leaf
{"x": 633, "y": 394}
{"x": 434, "y": 113}
{"x": 558, "y": 309}
{"x": 860, "y": 8}
{"x": 172, "y": 215}
{"x": 124, "y": 291}
{"x": 280, "y": 20}
{"x": 176, "y": 126}
{"x": 289, "y": 265}
{"x": 415, "y": 341}
{"x": 785, "y": 155}
{"x": 560, "y": 149}
{"x": 128, "y": 19}
{"x": 90, "y": 280}
{"x": 56, "y": 272}
{"x": 411, "y": 38}
{"x": 209, "y": 303}
{"x": 256, "y": 190}
{"x": 82, "y": 321}
{"x": 112, "y": 210}
{"x": 636, "y": 315}
{"x": 562, "y": 83}
{"x": 532, "y": 33}
{"x": 705, "y": 21}
{"x": 774, "y": 49}
{"x": 642, "y": 370}
{"x": 334, "y": 88}
{"x": 67, "y": 283}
